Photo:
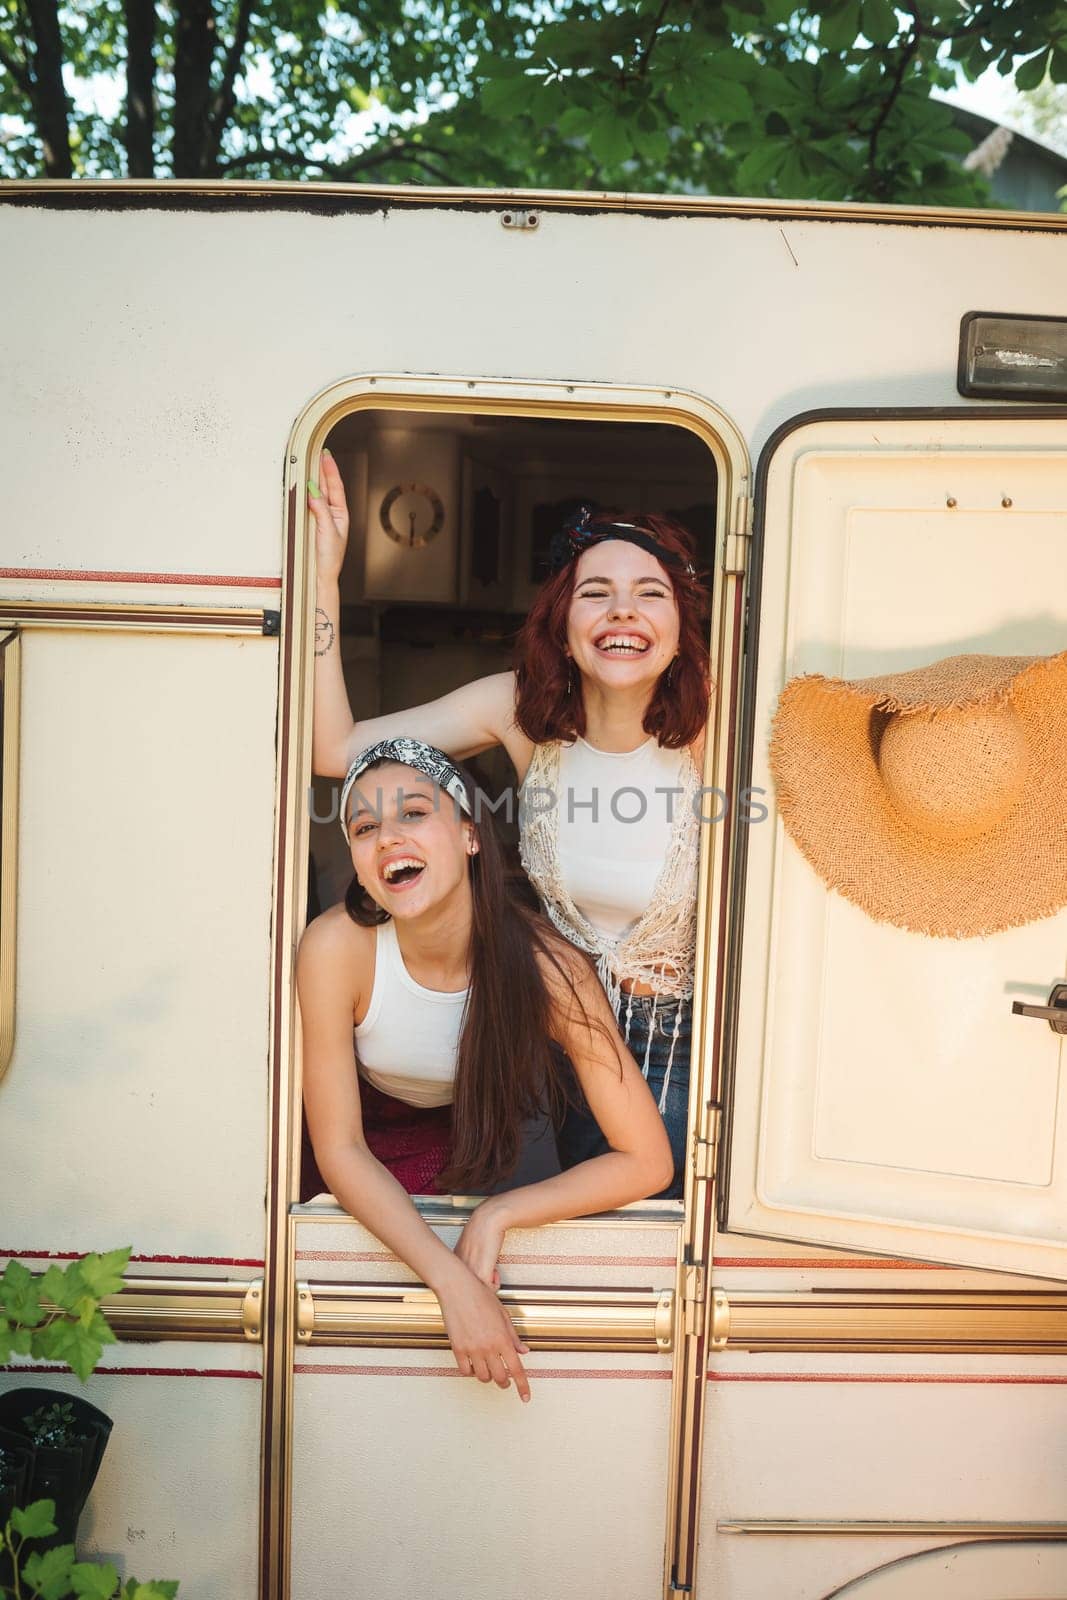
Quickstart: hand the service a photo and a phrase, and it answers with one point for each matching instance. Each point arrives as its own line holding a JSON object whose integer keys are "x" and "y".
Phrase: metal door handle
{"x": 1055, "y": 1013}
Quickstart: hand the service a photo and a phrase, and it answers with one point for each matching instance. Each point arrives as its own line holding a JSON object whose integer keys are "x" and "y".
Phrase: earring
{"x": 570, "y": 677}
{"x": 670, "y": 673}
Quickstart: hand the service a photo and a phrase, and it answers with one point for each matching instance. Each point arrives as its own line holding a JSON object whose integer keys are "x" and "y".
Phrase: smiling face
{"x": 409, "y": 848}
{"x": 622, "y": 626}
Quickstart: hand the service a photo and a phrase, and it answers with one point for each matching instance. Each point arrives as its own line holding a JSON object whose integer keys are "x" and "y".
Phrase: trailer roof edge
{"x": 335, "y": 199}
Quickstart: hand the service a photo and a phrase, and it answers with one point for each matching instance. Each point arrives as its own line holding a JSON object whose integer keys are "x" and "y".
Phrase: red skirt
{"x": 414, "y": 1142}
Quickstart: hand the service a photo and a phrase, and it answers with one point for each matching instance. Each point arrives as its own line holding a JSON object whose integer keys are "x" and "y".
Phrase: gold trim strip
{"x": 10, "y": 689}
{"x": 674, "y": 205}
{"x": 979, "y": 1530}
{"x": 1030, "y": 1322}
{"x": 383, "y": 1316}
{"x": 453, "y": 1211}
{"x": 222, "y": 1310}
{"x": 78, "y": 615}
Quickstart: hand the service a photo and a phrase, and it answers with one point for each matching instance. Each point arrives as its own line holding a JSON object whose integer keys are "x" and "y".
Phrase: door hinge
{"x": 694, "y": 1283}
{"x": 706, "y": 1151}
{"x": 735, "y": 553}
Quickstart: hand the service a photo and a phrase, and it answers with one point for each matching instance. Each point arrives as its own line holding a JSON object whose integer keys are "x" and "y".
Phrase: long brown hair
{"x": 545, "y": 706}
{"x": 508, "y": 1068}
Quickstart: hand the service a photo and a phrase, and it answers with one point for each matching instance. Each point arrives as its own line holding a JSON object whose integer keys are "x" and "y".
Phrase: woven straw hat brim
{"x": 836, "y": 808}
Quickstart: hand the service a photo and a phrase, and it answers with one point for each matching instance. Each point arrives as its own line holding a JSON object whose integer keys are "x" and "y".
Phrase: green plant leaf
{"x": 728, "y": 102}
{"x": 1032, "y": 72}
{"x": 92, "y": 1581}
{"x": 609, "y": 140}
{"x": 879, "y": 21}
{"x": 102, "y": 1274}
{"x": 759, "y": 166}
{"x": 1058, "y": 66}
{"x": 49, "y": 1572}
{"x": 158, "y": 1589}
{"x": 35, "y": 1521}
{"x": 503, "y": 97}
{"x": 15, "y": 1278}
{"x": 21, "y": 1295}
{"x": 839, "y": 26}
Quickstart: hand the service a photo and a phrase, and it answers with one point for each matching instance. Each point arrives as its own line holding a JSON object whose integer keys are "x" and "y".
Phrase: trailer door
{"x": 882, "y": 1094}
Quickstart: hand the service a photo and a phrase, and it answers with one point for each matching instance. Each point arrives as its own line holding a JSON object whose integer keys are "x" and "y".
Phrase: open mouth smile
{"x": 401, "y": 871}
{"x": 623, "y": 644}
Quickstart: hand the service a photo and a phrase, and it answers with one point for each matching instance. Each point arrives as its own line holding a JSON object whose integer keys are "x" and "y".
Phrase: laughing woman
{"x": 603, "y": 720}
{"x": 456, "y": 997}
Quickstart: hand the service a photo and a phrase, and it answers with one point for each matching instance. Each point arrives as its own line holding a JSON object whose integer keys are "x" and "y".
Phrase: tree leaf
{"x": 759, "y": 166}
{"x": 1058, "y": 66}
{"x": 1032, "y": 72}
{"x": 839, "y": 26}
{"x": 49, "y": 1571}
{"x": 503, "y": 97}
{"x": 728, "y": 102}
{"x": 879, "y": 21}
{"x": 35, "y": 1521}
{"x": 158, "y": 1589}
{"x": 609, "y": 140}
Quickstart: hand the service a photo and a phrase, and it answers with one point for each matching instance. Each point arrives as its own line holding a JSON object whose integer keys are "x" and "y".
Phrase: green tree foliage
{"x": 766, "y": 97}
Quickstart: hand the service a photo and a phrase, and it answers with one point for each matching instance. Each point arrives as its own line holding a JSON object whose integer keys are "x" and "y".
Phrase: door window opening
{"x": 452, "y": 515}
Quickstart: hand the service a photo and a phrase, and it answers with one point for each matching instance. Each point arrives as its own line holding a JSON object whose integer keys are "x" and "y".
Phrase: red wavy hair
{"x": 677, "y": 711}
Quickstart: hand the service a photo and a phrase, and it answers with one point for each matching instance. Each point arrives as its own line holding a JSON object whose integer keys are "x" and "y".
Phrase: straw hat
{"x": 934, "y": 799}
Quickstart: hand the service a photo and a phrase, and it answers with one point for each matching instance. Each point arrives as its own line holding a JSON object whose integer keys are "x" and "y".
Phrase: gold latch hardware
{"x": 735, "y": 553}
{"x": 252, "y": 1312}
{"x": 305, "y": 1313}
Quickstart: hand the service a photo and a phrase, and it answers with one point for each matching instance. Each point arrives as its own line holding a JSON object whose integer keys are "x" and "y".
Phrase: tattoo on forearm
{"x": 324, "y": 633}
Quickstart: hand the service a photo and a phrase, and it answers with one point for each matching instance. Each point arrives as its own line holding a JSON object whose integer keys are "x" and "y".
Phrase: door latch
{"x": 1055, "y": 1013}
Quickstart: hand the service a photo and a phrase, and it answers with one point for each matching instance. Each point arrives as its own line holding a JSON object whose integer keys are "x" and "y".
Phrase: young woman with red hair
{"x": 603, "y": 720}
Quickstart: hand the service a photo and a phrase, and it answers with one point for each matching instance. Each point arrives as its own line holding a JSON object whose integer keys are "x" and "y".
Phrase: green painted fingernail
{"x": 313, "y": 489}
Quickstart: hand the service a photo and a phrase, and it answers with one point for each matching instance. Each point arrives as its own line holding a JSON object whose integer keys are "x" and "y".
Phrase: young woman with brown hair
{"x": 604, "y": 722}
{"x": 457, "y": 996}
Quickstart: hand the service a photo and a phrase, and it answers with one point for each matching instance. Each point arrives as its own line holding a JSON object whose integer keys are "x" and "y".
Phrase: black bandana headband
{"x": 578, "y": 533}
{"x": 424, "y": 758}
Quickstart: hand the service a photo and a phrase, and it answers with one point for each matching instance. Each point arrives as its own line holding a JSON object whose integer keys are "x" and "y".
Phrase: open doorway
{"x": 451, "y": 518}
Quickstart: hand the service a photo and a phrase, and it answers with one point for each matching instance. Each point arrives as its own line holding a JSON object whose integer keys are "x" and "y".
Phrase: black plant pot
{"x": 63, "y": 1473}
{"x": 17, "y": 1456}
{"x": 16, "y": 1464}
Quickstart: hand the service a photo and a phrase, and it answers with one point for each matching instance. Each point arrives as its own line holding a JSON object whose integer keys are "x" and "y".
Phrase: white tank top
{"x": 614, "y": 828}
{"x": 408, "y": 1040}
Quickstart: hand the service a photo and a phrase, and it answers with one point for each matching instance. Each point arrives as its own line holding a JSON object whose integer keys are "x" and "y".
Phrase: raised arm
{"x": 470, "y": 719}
{"x": 639, "y": 1163}
{"x": 481, "y": 1333}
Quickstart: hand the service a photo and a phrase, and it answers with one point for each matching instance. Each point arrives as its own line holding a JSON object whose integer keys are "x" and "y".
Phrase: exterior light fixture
{"x": 1007, "y": 357}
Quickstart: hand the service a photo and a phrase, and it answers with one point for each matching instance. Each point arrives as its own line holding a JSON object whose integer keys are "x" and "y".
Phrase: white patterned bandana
{"x": 424, "y": 758}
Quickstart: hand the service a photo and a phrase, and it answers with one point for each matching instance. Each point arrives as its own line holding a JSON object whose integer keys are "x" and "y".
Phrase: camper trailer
{"x": 839, "y": 1365}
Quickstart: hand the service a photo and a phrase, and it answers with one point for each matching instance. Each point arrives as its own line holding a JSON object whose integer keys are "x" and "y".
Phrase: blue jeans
{"x": 579, "y": 1138}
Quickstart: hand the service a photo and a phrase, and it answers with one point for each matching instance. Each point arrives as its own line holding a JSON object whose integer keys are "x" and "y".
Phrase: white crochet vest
{"x": 660, "y": 949}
